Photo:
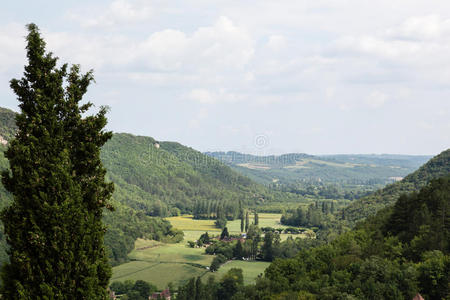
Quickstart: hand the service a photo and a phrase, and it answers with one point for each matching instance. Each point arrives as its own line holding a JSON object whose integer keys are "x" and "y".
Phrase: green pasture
{"x": 161, "y": 263}
{"x": 159, "y": 274}
{"x": 169, "y": 253}
{"x": 250, "y": 269}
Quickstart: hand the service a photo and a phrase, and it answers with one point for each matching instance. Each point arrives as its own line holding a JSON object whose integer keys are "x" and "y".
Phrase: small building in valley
{"x": 164, "y": 295}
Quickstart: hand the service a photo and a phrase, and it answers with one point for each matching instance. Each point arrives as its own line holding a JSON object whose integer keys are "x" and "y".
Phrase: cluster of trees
{"x": 133, "y": 290}
{"x": 402, "y": 251}
{"x": 216, "y": 210}
{"x": 314, "y": 216}
{"x": 256, "y": 247}
{"x": 226, "y": 289}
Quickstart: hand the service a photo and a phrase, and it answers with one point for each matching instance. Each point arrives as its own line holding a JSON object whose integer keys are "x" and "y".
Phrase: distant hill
{"x": 340, "y": 169}
{"x": 436, "y": 167}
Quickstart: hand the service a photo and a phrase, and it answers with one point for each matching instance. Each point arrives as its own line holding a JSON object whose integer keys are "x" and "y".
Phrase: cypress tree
{"x": 247, "y": 222}
{"x": 54, "y": 225}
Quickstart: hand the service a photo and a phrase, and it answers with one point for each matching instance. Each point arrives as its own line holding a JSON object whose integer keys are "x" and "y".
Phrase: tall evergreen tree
{"x": 256, "y": 218}
{"x": 247, "y": 221}
{"x": 54, "y": 225}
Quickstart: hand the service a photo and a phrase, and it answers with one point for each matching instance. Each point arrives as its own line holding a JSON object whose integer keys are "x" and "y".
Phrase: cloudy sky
{"x": 322, "y": 76}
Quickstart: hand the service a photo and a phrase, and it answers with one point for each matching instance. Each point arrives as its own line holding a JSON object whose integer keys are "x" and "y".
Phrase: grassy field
{"x": 194, "y": 228}
{"x": 161, "y": 263}
{"x": 250, "y": 269}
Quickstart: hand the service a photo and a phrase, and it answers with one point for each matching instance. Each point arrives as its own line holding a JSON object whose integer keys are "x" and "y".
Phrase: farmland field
{"x": 161, "y": 263}
{"x": 250, "y": 269}
{"x": 194, "y": 228}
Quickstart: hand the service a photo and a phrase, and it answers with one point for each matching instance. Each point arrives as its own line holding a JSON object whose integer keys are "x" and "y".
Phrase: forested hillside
{"x": 161, "y": 179}
{"x": 436, "y": 167}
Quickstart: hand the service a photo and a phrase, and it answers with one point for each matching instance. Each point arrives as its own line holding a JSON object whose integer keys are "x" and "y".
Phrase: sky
{"x": 260, "y": 77}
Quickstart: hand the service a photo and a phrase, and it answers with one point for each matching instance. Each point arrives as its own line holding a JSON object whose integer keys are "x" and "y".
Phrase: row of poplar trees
{"x": 54, "y": 225}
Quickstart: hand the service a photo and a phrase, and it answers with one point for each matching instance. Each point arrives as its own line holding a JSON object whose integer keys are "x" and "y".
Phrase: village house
{"x": 164, "y": 295}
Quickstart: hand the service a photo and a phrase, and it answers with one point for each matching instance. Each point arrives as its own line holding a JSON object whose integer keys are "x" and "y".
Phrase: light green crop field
{"x": 250, "y": 269}
{"x": 194, "y": 228}
{"x": 170, "y": 253}
{"x": 161, "y": 263}
{"x": 159, "y": 274}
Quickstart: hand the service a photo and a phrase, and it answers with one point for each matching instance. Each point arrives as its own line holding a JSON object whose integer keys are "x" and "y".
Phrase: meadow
{"x": 161, "y": 263}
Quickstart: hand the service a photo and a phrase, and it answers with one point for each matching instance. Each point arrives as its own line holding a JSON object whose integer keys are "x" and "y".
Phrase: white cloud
{"x": 421, "y": 28}
{"x": 118, "y": 12}
{"x": 12, "y": 50}
{"x": 201, "y": 96}
{"x": 205, "y": 96}
{"x": 276, "y": 42}
{"x": 376, "y": 99}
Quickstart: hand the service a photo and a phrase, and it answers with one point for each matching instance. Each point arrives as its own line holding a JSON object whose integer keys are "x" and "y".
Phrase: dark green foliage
{"x": 256, "y": 218}
{"x": 247, "y": 221}
{"x": 423, "y": 219}
{"x": 230, "y": 284}
{"x": 221, "y": 223}
{"x": 223, "y": 248}
{"x": 224, "y": 234}
{"x": 133, "y": 290}
{"x": 217, "y": 261}
{"x": 396, "y": 254}
{"x": 270, "y": 247}
{"x": 238, "y": 250}
{"x": 54, "y": 225}
{"x": 204, "y": 238}
{"x": 313, "y": 217}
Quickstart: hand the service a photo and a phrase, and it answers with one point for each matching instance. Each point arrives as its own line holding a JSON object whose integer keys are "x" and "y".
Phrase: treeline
{"x": 205, "y": 209}
{"x": 320, "y": 190}
{"x": 225, "y": 289}
{"x": 314, "y": 216}
{"x": 133, "y": 290}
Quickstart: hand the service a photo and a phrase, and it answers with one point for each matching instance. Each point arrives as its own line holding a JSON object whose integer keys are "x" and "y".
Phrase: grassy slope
{"x": 436, "y": 167}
